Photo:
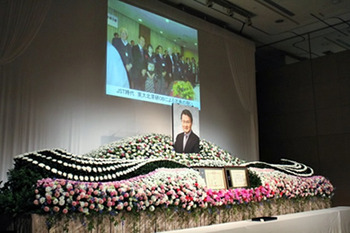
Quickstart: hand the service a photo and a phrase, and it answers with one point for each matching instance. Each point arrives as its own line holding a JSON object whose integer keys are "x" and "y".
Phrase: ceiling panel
{"x": 293, "y": 26}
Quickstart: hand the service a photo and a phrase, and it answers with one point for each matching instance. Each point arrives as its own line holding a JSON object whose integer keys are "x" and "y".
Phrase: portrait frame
{"x": 237, "y": 177}
{"x": 176, "y": 119}
{"x": 214, "y": 177}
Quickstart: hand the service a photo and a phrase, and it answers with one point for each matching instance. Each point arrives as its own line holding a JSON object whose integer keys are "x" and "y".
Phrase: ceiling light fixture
{"x": 279, "y": 21}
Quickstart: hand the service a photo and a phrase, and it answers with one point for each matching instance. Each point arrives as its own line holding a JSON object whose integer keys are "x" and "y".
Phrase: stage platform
{"x": 332, "y": 220}
{"x": 309, "y": 214}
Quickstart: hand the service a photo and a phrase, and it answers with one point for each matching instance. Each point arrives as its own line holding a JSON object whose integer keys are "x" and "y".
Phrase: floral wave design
{"x": 122, "y": 159}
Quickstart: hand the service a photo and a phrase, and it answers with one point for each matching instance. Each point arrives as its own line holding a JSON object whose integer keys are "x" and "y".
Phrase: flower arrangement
{"x": 180, "y": 188}
{"x": 124, "y": 159}
{"x": 183, "y": 89}
{"x": 152, "y": 146}
{"x": 144, "y": 173}
{"x": 163, "y": 187}
{"x": 290, "y": 186}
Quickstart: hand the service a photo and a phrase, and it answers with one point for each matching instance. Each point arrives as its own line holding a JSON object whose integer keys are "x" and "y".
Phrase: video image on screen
{"x": 151, "y": 58}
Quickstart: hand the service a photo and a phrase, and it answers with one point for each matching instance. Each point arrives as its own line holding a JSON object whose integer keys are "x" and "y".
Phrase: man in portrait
{"x": 187, "y": 141}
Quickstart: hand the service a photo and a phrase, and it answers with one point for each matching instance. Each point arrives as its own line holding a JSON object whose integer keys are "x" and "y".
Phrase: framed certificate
{"x": 215, "y": 178}
{"x": 237, "y": 177}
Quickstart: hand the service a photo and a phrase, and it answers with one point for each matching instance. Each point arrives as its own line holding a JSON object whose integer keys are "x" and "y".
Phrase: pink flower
{"x": 120, "y": 206}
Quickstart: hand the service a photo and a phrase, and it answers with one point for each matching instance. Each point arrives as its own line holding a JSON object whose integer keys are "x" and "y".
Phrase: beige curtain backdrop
{"x": 238, "y": 54}
{"x": 19, "y": 24}
{"x": 20, "y": 21}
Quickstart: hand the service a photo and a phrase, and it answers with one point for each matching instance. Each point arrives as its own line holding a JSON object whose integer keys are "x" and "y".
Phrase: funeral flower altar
{"x": 140, "y": 184}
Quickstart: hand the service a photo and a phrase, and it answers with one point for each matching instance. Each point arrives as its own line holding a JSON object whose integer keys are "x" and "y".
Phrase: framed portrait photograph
{"x": 214, "y": 177}
{"x": 237, "y": 177}
{"x": 176, "y": 119}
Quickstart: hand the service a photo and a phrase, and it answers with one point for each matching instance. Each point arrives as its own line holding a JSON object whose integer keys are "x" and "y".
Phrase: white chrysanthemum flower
{"x": 42, "y": 200}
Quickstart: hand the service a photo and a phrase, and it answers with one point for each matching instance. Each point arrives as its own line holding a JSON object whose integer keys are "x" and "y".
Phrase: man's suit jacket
{"x": 125, "y": 51}
{"x": 192, "y": 145}
{"x": 139, "y": 61}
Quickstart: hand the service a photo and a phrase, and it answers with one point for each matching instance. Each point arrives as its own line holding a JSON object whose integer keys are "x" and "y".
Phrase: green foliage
{"x": 183, "y": 90}
{"x": 254, "y": 180}
{"x": 17, "y": 195}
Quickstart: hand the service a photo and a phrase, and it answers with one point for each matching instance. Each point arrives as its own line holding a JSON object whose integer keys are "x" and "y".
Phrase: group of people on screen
{"x": 147, "y": 68}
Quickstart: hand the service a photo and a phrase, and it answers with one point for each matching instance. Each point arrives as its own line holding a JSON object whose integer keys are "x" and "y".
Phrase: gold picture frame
{"x": 215, "y": 178}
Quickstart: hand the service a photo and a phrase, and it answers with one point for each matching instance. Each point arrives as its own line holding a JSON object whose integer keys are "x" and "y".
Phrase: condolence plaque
{"x": 237, "y": 177}
{"x": 214, "y": 177}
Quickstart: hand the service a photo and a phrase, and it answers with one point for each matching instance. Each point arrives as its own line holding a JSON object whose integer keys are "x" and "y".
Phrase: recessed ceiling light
{"x": 279, "y": 21}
